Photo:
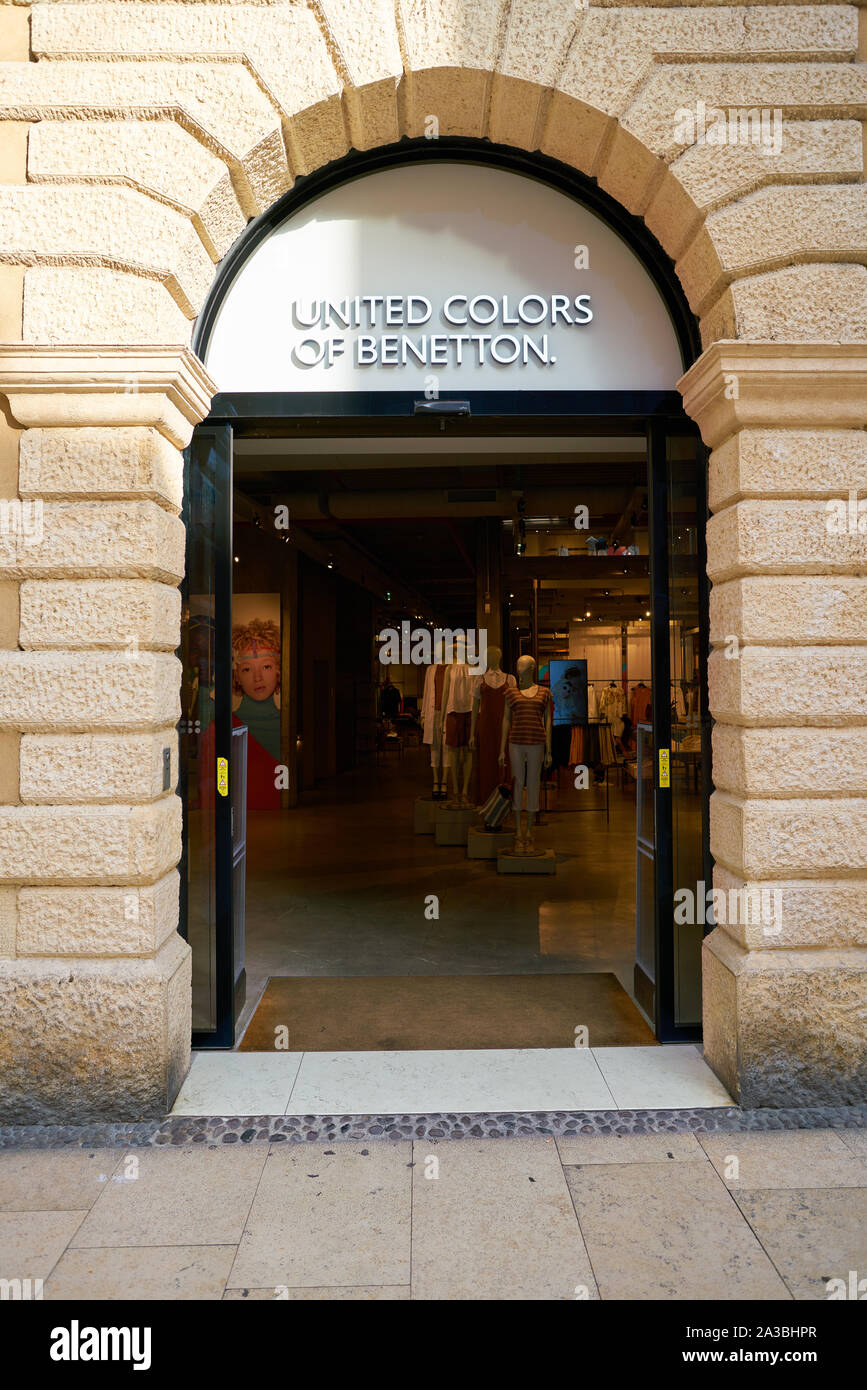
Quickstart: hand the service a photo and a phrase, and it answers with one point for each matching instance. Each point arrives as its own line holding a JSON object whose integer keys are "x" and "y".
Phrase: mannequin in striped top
{"x": 527, "y": 733}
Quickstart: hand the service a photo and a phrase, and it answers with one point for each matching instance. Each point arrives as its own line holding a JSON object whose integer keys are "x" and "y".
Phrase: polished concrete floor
{"x": 339, "y": 886}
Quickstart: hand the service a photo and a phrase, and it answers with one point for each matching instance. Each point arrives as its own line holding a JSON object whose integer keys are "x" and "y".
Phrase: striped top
{"x": 528, "y": 715}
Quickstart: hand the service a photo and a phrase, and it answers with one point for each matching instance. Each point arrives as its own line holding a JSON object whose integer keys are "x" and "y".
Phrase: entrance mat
{"x": 446, "y": 1012}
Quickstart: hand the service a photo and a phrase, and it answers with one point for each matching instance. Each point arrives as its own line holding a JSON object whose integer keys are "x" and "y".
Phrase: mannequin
{"x": 456, "y": 709}
{"x": 489, "y": 702}
{"x": 432, "y": 721}
{"x": 527, "y": 717}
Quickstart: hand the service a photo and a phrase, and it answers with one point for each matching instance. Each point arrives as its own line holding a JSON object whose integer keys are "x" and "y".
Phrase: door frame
{"x": 653, "y": 417}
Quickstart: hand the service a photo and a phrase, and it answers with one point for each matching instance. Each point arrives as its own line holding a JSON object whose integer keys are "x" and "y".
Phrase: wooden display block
{"x": 510, "y": 863}
{"x": 453, "y": 823}
{"x": 424, "y": 815}
{"x": 486, "y": 844}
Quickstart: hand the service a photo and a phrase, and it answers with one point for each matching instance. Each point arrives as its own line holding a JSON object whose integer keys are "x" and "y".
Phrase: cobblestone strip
{"x": 274, "y": 1129}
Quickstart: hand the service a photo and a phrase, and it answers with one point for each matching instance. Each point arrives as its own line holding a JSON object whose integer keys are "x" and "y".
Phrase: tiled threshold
{"x": 485, "y": 1081}
{"x": 231, "y": 1097}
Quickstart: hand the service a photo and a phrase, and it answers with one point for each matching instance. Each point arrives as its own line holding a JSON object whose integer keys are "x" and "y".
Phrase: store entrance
{"x": 351, "y": 868}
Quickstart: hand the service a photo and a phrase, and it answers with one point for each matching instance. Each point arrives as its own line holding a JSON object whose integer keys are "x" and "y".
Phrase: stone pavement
{"x": 722, "y": 1216}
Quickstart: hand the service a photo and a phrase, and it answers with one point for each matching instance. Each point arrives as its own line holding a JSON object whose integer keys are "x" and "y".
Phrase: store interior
{"x": 377, "y": 913}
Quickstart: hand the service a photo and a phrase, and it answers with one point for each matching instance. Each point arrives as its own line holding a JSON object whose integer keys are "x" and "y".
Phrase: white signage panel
{"x": 443, "y": 277}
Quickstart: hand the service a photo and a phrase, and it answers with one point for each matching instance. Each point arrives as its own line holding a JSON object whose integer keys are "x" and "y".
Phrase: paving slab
{"x": 673, "y": 1076}
{"x": 32, "y": 1242}
{"x": 811, "y": 1236}
{"x": 668, "y": 1231}
{"x": 369, "y": 1293}
{"x": 326, "y": 1216}
{"x": 493, "y": 1079}
{"x": 496, "y": 1222}
{"x": 790, "y": 1158}
{"x": 54, "y": 1179}
{"x": 238, "y": 1083}
{"x": 178, "y": 1196}
{"x": 855, "y": 1140}
{"x": 142, "y": 1272}
{"x": 628, "y": 1148}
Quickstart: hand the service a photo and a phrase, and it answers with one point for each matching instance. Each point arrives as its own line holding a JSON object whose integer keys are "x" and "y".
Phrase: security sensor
{"x": 441, "y": 408}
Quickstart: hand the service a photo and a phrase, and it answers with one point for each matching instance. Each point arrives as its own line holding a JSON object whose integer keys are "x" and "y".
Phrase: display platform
{"x": 453, "y": 823}
{"x": 424, "y": 814}
{"x": 486, "y": 844}
{"x": 510, "y": 863}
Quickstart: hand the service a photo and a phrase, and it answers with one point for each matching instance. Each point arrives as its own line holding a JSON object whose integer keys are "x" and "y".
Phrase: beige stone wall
{"x": 138, "y": 140}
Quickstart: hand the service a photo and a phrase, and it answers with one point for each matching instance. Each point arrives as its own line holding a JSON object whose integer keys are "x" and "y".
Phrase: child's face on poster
{"x": 258, "y": 672}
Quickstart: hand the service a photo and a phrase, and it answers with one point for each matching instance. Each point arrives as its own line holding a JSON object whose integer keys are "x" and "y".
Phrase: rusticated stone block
{"x": 158, "y": 157}
{"x": 705, "y": 176}
{"x": 800, "y": 304}
{"x": 48, "y": 692}
{"x": 116, "y": 225}
{"x": 786, "y": 463}
{"x": 130, "y": 614}
{"x": 133, "y": 462}
{"x": 805, "y": 914}
{"x": 813, "y": 89}
{"x": 763, "y": 686}
{"x": 791, "y": 838}
{"x": 769, "y": 227}
{"x": 802, "y": 536}
{"x": 66, "y": 769}
{"x": 777, "y": 611}
{"x": 91, "y": 1039}
{"x": 786, "y": 1027}
{"x": 91, "y": 540}
{"x": 131, "y": 921}
{"x": 91, "y": 304}
{"x": 89, "y": 844}
{"x": 789, "y": 762}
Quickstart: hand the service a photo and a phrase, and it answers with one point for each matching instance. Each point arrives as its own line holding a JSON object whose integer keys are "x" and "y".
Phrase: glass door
{"x": 205, "y": 733}
{"x": 677, "y": 762}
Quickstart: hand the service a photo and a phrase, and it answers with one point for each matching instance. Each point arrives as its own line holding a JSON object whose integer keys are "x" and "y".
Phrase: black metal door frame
{"x": 653, "y": 417}
{"x": 211, "y": 449}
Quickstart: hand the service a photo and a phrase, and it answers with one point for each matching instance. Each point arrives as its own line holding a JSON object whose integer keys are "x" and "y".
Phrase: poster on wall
{"x": 569, "y": 689}
{"x": 256, "y": 669}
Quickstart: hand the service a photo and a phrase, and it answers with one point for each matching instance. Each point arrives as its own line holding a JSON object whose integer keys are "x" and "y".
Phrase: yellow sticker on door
{"x": 664, "y": 768}
{"x": 223, "y": 776}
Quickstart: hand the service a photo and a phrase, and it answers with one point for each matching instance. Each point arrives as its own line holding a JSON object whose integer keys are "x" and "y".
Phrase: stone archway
{"x": 142, "y": 139}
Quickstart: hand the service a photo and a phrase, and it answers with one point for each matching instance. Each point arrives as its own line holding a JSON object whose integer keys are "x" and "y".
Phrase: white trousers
{"x": 439, "y": 753}
{"x": 526, "y": 759}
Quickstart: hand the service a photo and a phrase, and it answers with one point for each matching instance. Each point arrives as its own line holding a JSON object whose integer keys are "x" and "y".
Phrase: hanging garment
{"x": 457, "y": 729}
{"x": 459, "y": 696}
{"x": 576, "y": 745}
{"x": 428, "y": 702}
{"x": 489, "y": 727}
{"x": 592, "y": 703}
{"x": 612, "y": 703}
{"x": 641, "y": 706}
{"x": 528, "y": 715}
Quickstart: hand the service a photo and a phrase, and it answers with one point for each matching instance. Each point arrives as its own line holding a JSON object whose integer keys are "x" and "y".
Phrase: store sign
{"x": 443, "y": 277}
{"x": 479, "y": 330}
